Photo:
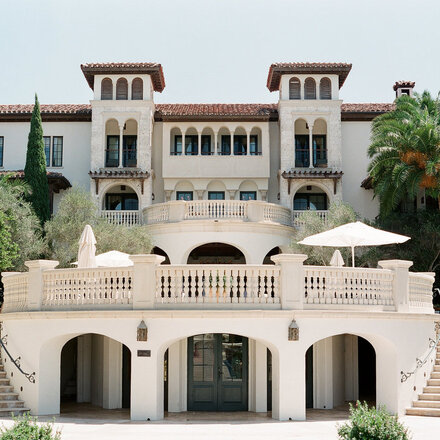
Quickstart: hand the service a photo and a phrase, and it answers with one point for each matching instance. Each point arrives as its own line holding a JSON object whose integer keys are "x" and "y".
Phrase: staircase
{"x": 9, "y": 403}
{"x": 428, "y": 403}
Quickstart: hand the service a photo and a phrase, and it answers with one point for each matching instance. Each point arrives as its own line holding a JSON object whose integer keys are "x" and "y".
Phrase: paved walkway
{"x": 115, "y": 425}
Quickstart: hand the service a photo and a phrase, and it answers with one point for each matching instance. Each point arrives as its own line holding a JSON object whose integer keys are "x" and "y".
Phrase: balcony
{"x": 232, "y": 210}
{"x": 126, "y": 218}
{"x": 287, "y": 285}
{"x": 297, "y": 216}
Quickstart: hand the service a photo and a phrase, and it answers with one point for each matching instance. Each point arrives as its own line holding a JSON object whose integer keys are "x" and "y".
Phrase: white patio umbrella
{"x": 112, "y": 259}
{"x": 353, "y": 235}
{"x": 87, "y": 248}
{"x": 337, "y": 260}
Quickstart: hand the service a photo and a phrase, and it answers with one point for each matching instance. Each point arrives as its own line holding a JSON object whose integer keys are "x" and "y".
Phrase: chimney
{"x": 404, "y": 88}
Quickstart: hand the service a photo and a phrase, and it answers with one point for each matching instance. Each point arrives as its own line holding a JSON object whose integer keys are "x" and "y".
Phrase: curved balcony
{"x": 247, "y": 211}
{"x": 121, "y": 217}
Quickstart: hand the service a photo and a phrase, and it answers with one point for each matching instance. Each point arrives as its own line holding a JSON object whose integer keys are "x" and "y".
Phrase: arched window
{"x": 122, "y": 89}
{"x": 325, "y": 89}
{"x": 106, "y": 89}
{"x": 294, "y": 88}
{"x": 137, "y": 89}
{"x": 309, "y": 88}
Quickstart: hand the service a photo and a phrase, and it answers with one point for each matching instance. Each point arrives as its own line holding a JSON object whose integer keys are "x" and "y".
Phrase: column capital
{"x": 147, "y": 258}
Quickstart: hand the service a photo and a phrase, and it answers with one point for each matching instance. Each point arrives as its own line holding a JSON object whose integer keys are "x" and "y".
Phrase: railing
{"x": 16, "y": 285}
{"x": 215, "y": 209}
{"x": 297, "y": 216}
{"x": 336, "y": 285}
{"x": 65, "y": 288}
{"x": 127, "y": 218}
{"x": 251, "y": 211}
{"x": 220, "y": 284}
{"x": 420, "y": 290}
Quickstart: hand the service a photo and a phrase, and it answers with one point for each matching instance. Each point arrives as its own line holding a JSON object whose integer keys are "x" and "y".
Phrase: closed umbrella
{"x": 337, "y": 260}
{"x": 352, "y": 235}
{"x": 87, "y": 248}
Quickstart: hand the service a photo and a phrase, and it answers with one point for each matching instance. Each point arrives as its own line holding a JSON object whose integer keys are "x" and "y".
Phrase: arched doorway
{"x": 216, "y": 253}
{"x": 158, "y": 251}
{"x": 95, "y": 372}
{"x": 340, "y": 369}
{"x": 275, "y": 251}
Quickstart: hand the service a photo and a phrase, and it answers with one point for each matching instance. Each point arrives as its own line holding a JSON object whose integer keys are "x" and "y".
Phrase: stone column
{"x": 111, "y": 374}
{"x": 257, "y": 376}
{"x": 216, "y": 149}
{"x": 144, "y": 279}
{"x": 177, "y": 374}
{"x": 121, "y": 140}
{"x": 199, "y": 143}
{"x": 400, "y": 282}
{"x": 35, "y": 290}
{"x": 248, "y": 143}
{"x": 291, "y": 279}
{"x": 311, "y": 145}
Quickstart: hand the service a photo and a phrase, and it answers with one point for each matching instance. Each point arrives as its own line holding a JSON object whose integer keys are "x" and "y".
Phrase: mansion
{"x": 220, "y": 317}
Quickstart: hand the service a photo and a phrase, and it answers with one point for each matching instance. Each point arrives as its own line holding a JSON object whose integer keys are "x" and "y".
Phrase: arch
{"x": 191, "y": 147}
{"x": 122, "y": 89}
{"x": 120, "y": 197}
{"x": 320, "y": 158}
{"x": 312, "y": 197}
{"x": 294, "y": 88}
{"x": 224, "y": 142}
{"x": 158, "y": 251}
{"x": 137, "y": 89}
{"x": 274, "y": 251}
{"x": 184, "y": 190}
{"x": 309, "y": 88}
{"x": 207, "y": 147}
{"x": 255, "y": 141}
{"x": 240, "y": 141}
{"x": 106, "y": 89}
{"x": 216, "y": 189}
{"x": 247, "y": 190}
{"x": 112, "y": 139}
{"x": 302, "y": 141}
{"x": 129, "y": 143}
{"x": 325, "y": 88}
{"x": 215, "y": 253}
{"x": 176, "y": 141}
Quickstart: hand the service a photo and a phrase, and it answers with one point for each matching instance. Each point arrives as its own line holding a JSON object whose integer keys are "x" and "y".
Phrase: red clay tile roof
{"x": 400, "y": 84}
{"x": 57, "y": 180}
{"x": 277, "y": 69}
{"x": 174, "y": 112}
{"x": 153, "y": 69}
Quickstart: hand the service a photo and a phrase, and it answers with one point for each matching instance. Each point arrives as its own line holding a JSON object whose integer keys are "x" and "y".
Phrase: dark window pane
{"x": 319, "y": 151}
{"x": 112, "y": 152}
{"x": 46, "y": 140}
{"x": 57, "y": 151}
{"x": 302, "y": 158}
{"x": 253, "y": 147}
{"x": 121, "y": 202}
{"x": 248, "y": 195}
{"x": 206, "y": 145}
{"x": 313, "y": 202}
{"x": 129, "y": 158}
{"x": 191, "y": 145}
{"x": 225, "y": 145}
{"x": 240, "y": 142}
{"x": 184, "y": 195}
{"x": 216, "y": 195}
{"x": 176, "y": 149}
{"x": 2, "y": 140}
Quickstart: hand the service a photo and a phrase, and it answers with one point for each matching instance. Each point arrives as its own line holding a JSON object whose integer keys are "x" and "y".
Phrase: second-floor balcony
{"x": 149, "y": 285}
{"x": 231, "y": 210}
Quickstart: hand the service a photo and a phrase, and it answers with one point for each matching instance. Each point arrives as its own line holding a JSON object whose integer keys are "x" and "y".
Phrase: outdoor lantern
{"x": 293, "y": 331}
{"x": 142, "y": 332}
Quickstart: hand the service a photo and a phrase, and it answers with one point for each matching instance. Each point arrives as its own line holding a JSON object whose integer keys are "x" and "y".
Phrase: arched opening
{"x": 122, "y": 89}
{"x": 294, "y": 88}
{"x": 310, "y": 198}
{"x": 248, "y": 190}
{"x": 112, "y": 143}
{"x": 191, "y": 142}
{"x": 216, "y": 191}
{"x": 275, "y": 251}
{"x": 340, "y": 369}
{"x": 302, "y": 141}
{"x": 95, "y": 372}
{"x": 184, "y": 191}
{"x": 217, "y": 372}
{"x": 129, "y": 144}
{"x": 207, "y": 142}
{"x": 325, "y": 88}
{"x": 255, "y": 142}
{"x": 224, "y": 139}
{"x": 216, "y": 253}
{"x": 106, "y": 89}
{"x": 175, "y": 142}
{"x": 240, "y": 142}
{"x": 309, "y": 88}
{"x": 158, "y": 251}
{"x": 121, "y": 198}
{"x": 320, "y": 143}
{"x": 137, "y": 89}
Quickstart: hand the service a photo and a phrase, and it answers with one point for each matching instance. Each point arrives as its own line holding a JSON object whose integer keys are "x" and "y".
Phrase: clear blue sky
{"x": 216, "y": 50}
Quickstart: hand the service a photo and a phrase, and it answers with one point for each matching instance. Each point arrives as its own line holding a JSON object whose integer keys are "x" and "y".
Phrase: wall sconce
{"x": 293, "y": 331}
{"x": 142, "y": 332}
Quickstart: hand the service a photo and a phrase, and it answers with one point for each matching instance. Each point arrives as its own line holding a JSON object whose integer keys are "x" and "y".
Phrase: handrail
{"x": 3, "y": 341}
{"x": 420, "y": 362}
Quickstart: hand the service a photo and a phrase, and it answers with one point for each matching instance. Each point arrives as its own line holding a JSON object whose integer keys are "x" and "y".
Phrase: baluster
{"x": 185, "y": 286}
{"x": 234, "y": 286}
{"x": 276, "y": 286}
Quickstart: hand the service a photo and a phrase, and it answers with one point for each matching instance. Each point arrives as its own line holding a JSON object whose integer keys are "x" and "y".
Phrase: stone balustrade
{"x": 250, "y": 211}
{"x": 289, "y": 284}
{"x": 297, "y": 219}
{"x": 126, "y": 218}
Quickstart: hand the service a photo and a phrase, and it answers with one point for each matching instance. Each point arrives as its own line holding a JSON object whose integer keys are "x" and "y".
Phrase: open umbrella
{"x": 353, "y": 235}
{"x": 87, "y": 248}
{"x": 112, "y": 259}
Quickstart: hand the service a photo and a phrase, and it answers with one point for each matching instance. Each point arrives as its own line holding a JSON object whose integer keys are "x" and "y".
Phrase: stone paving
{"x": 97, "y": 424}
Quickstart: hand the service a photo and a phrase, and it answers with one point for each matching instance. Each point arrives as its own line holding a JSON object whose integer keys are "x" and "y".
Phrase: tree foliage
{"x": 35, "y": 169}
{"x": 26, "y": 428}
{"x": 405, "y": 151}
{"x": 8, "y": 249}
{"x": 77, "y": 209}
{"x": 338, "y": 214}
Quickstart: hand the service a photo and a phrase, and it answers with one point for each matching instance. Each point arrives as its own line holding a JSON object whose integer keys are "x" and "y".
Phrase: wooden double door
{"x": 217, "y": 372}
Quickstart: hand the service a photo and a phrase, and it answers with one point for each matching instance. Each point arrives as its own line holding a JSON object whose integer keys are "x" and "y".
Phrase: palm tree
{"x": 405, "y": 151}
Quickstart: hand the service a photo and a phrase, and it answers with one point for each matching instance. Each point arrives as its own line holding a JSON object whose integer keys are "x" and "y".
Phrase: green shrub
{"x": 372, "y": 424}
{"x": 26, "y": 428}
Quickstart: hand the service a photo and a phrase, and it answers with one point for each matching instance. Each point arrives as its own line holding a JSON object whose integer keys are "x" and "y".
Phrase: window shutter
{"x": 294, "y": 89}
{"x": 122, "y": 89}
{"x": 137, "y": 89}
{"x": 309, "y": 89}
{"x": 325, "y": 89}
{"x": 106, "y": 89}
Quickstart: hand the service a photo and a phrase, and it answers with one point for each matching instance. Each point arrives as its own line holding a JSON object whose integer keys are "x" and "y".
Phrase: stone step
{"x": 2, "y": 374}
{"x": 430, "y": 412}
{"x": 15, "y": 404}
{"x": 8, "y": 396}
{"x": 436, "y": 368}
{"x": 435, "y": 375}
{"x": 430, "y": 396}
{"x": 13, "y": 411}
{"x": 434, "y": 382}
{"x": 4, "y": 382}
{"x": 428, "y": 389}
{"x": 426, "y": 404}
{"x": 6, "y": 389}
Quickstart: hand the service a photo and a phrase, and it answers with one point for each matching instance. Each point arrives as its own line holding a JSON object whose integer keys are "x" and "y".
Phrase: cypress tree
{"x": 35, "y": 170}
